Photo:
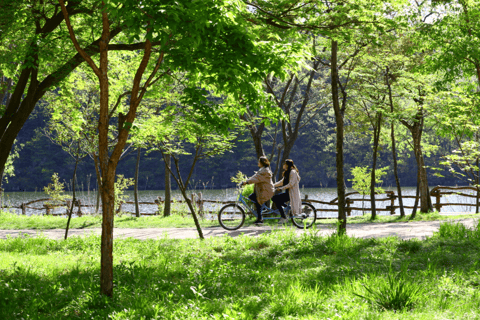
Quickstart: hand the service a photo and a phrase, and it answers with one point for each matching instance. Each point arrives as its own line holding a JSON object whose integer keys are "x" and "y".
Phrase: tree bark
{"x": 168, "y": 186}
{"x": 416, "y": 129}
{"x": 184, "y": 185}
{"x": 135, "y": 191}
{"x": 99, "y": 181}
{"x": 342, "y": 218}
{"x": 425, "y": 201}
{"x": 376, "y": 140}
{"x": 417, "y": 197}
{"x": 1, "y": 189}
{"x": 394, "y": 147}
{"x": 77, "y": 160}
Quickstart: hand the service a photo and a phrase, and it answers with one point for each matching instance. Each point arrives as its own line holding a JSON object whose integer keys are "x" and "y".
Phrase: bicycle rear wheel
{"x": 309, "y": 216}
{"x": 231, "y": 216}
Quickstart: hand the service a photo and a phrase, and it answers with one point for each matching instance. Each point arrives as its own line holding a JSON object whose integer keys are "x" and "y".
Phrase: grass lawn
{"x": 9, "y": 221}
{"x": 272, "y": 276}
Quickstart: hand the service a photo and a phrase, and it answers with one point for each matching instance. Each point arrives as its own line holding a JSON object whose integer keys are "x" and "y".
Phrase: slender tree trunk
{"x": 1, "y": 189}
{"x": 417, "y": 197}
{"x": 73, "y": 198}
{"x": 257, "y": 141}
{"x": 135, "y": 192}
{"x": 108, "y": 163}
{"x": 376, "y": 140}
{"x": 183, "y": 188}
{"x": 477, "y": 206}
{"x": 394, "y": 147}
{"x": 342, "y": 218}
{"x": 395, "y": 171}
{"x": 99, "y": 181}
{"x": 425, "y": 201}
{"x": 168, "y": 186}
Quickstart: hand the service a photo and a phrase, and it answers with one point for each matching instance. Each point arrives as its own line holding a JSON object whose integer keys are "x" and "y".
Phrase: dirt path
{"x": 404, "y": 230}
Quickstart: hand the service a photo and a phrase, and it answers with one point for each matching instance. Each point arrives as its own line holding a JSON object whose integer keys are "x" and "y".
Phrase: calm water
{"x": 323, "y": 194}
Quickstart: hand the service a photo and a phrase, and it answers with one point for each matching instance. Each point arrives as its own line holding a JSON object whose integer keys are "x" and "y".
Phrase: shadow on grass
{"x": 174, "y": 276}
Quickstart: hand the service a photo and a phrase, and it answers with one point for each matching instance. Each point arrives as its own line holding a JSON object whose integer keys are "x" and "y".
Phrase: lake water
{"x": 323, "y": 194}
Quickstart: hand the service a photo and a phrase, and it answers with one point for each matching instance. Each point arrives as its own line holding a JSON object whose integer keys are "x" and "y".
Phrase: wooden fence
{"x": 390, "y": 197}
{"x": 199, "y": 202}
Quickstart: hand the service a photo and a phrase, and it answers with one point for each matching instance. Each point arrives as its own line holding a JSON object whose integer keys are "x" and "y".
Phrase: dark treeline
{"x": 313, "y": 153}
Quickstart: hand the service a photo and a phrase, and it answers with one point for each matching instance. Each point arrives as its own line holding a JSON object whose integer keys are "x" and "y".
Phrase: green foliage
{"x": 277, "y": 275}
{"x": 395, "y": 291}
{"x": 361, "y": 180}
{"x": 9, "y": 170}
{"x": 55, "y": 191}
{"x": 247, "y": 189}
{"x": 458, "y": 231}
{"x": 121, "y": 185}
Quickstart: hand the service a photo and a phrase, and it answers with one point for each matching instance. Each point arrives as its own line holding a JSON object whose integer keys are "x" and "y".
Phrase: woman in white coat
{"x": 290, "y": 182}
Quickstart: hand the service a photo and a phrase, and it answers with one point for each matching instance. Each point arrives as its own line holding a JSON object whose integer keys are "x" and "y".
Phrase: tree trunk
{"x": 183, "y": 188}
{"x": 108, "y": 213}
{"x": 477, "y": 204}
{"x": 394, "y": 147}
{"x": 73, "y": 198}
{"x": 168, "y": 186}
{"x": 417, "y": 196}
{"x": 476, "y": 179}
{"x": 257, "y": 140}
{"x": 135, "y": 192}
{"x": 395, "y": 171}
{"x": 99, "y": 181}
{"x": 342, "y": 218}
{"x": 425, "y": 201}
{"x": 1, "y": 189}
{"x": 376, "y": 140}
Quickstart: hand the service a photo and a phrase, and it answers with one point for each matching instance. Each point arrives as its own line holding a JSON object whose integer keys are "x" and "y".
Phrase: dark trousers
{"x": 280, "y": 200}
{"x": 253, "y": 197}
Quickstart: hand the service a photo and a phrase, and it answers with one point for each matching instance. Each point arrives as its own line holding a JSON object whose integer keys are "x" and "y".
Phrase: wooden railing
{"x": 199, "y": 202}
{"x": 389, "y": 196}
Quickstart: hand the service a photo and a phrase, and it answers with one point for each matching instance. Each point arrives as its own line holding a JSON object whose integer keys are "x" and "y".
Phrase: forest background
{"x": 313, "y": 153}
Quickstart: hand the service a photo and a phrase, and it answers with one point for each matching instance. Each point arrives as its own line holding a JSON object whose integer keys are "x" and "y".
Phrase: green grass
{"x": 272, "y": 276}
{"x": 9, "y": 221}
{"x": 432, "y": 216}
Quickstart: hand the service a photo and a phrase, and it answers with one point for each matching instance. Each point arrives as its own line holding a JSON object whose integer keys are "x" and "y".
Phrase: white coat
{"x": 293, "y": 191}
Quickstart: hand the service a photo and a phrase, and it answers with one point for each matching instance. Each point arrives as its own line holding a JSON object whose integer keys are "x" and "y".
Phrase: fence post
{"x": 79, "y": 204}
{"x": 47, "y": 208}
{"x": 158, "y": 201}
{"x": 438, "y": 205}
{"x": 348, "y": 210}
{"x": 23, "y": 206}
{"x": 200, "y": 203}
{"x": 392, "y": 203}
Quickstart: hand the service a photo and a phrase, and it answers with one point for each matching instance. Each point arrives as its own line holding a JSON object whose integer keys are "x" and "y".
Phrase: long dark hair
{"x": 290, "y": 166}
{"x": 264, "y": 161}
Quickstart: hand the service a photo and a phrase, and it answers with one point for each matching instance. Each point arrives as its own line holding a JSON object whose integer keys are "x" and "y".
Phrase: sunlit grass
{"x": 432, "y": 216}
{"x": 10, "y": 221}
{"x": 273, "y": 276}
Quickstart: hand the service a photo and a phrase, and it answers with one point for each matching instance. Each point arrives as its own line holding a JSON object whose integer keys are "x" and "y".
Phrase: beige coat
{"x": 293, "y": 191}
{"x": 263, "y": 184}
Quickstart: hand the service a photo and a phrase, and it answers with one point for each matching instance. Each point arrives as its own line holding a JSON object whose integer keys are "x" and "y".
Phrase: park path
{"x": 404, "y": 230}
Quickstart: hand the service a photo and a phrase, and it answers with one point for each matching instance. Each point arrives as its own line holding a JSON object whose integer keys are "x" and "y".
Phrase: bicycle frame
{"x": 264, "y": 208}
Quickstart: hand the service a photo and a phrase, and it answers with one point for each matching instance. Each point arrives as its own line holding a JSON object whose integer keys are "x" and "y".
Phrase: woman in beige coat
{"x": 264, "y": 189}
{"x": 290, "y": 182}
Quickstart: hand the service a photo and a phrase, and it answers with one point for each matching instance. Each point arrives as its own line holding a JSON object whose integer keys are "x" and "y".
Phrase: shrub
{"x": 396, "y": 292}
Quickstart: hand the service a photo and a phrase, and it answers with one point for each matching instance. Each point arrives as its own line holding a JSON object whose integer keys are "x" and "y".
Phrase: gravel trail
{"x": 404, "y": 230}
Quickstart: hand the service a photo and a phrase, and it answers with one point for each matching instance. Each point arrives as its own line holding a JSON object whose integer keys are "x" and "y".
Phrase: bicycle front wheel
{"x": 308, "y": 216}
{"x": 231, "y": 216}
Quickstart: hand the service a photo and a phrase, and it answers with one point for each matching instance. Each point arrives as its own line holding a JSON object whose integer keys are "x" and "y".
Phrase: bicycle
{"x": 232, "y": 216}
